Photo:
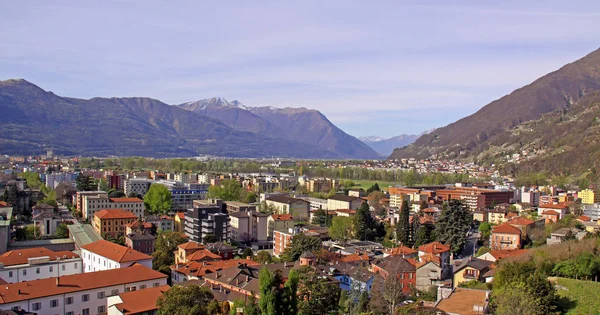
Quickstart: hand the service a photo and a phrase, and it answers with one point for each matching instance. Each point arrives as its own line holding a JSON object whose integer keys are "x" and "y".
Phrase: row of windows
{"x": 38, "y": 270}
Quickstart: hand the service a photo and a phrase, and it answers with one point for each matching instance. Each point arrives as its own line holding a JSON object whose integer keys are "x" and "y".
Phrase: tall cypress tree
{"x": 363, "y": 223}
{"x": 403, "y": 225}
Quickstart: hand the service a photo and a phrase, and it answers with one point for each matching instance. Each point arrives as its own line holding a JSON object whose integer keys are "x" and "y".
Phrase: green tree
{"x": 321, "y": 218}
{"x": 291, "y": 293}
{"x": 424, "y": 235}
{"x": 164, "y": 248}
{"x": 363, "y": 223}
{"x": 209, "y": 238}
{"x": 270, "y": 297}
{"x": 486, "y": 230}
{"x": 61, "y": 231}
{"x": 158, "y": 199}
{"x": 85, "y": 183}
{"x": 300, "y": 244}
{"x": 403, "y": 226}
{"x": 188, "y": 300}
{"x": 342, "y": 229}
{"x": 482, "y": 250}
{"x": 453, "y": 225}
{"x": 263, "y": 257}
{"x": 532, "y": 294}
{"x": 32, "y": 179}
{"x": 230, "y": 190}
{"x": 316, "y": 295}
{"x": 116, "y": 194}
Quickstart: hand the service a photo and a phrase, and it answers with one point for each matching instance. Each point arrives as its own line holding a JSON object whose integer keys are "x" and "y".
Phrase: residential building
{"x": 221, "y": 249}
{"x": 470, "y": 269}
{"x": 357, "y": 192}
{"x": 196, "y": 270}
{"x": 321, "y": 185}
{"x": 315, "y": 203}
{"x": 6, "y": 211}
{"x": 139, "y": 302}
{"x": 283, "y": 204}
{"x": 112, "y": 221}
{"x": 83, "y": 234}
{"x": 592, "y": 211}
{"x": 429, "y": 272}
{"x": 104, "y": 255}
{"x": 80, "y": 198}
{"x": 282, "y": 239}
{"x": 38, "y": 263}
{"x": 53, "y": 179}
{"x": 343, "y": 202}
{"x": 135, "y": 205}
{"x": 505, "y": 237}
{"x": 550, "y": 216}
{"x": 353, "y": 277}
{"x": 463, "y": 301}
{"x": 142, "y": 242}
{"x": 136, "y": 186}
{"x": 84, "y": 293}
{"x": 589, "y": 196}
{"x": 95, "y": 203}
{"x": 403, "y": 251}
{"x": 179, "y": 222}
{"x": 496, "y": 216}
{"x": 396, "y": 266}
{"x": 496, "y": 255}
{"x": 282, "y": 222}
{"x": 564, "y": 234}
{"x": 235, "y": 206}
{"x": 47, "y": 222}
{"x": 441, "y": 251}
{"x": 248, "y": 226}
{"x": 116, "y": 181}
{"x": 162, "y": 222}
{"x": 185, "y": 250}
{"x": 526, "y": 226}
{"x": 207, "y": 219}
{"x": 562, "y": 208}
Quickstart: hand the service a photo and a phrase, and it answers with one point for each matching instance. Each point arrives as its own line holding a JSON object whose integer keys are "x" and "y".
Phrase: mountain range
{"x": 387, "y": 146}
{"x": 34, "y": 119}
{"x": 506, "y": 125}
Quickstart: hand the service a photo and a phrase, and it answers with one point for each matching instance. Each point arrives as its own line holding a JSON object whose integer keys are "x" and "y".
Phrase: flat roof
{"x": 83, "y": 234}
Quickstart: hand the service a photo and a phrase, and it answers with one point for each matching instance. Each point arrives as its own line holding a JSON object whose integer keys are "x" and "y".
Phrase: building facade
{"x": 38, "y": 263}
{"x": 112, "y": 221}
{"x": 105, "y": 255}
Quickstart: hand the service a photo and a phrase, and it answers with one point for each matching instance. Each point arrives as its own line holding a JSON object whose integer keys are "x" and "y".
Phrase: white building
{"x": 249, "y": 226}
{"x": 94, "y": 203}
{"x": 38, "y": 263}
{"x": 136, "y": 302}
{"x": 104, "y": 255}
{"x": 80, "y": 294}
{"x": 52, "y": 180}
{"x": 138, "y": 186}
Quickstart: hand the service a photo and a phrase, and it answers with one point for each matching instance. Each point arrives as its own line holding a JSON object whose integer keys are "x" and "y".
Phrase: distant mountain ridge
{"x": 33, "y": 119}
{"x": 387, "y": 146}
{"x": 296, "y": 124}
{"x": 470, "y": 136}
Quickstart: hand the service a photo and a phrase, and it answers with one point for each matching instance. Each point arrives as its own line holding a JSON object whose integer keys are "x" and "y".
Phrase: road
{"x": 471, "y": 247}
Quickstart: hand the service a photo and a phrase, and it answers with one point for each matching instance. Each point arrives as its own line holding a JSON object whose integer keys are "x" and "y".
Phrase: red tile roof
{"x": 137, "y": 302}
{"x": 190, "y": 245}
{"x": 554, "y": 206}
{"x": 550, "y": 212}
{"x": 282, "y": 217}
{"x": 585, "y": 218}
{"x": 521, "y": 221}
{"x": 126, "y": 199}
{"x": 354, "y": 257}
{"x": 181, "y": 215}
{"x": 499, "y": 254}
{"x": 434, "y": 248}
{"x": 4, "y": 204}
{"x": 20, "y": 256}
{"x": 202, "y": 254}
{"x": 199, "y": 269}
{"x": 401, "y": 250}
{"x": 115, "y": 214}
{"x": 115, "y": 252}
{"x": 35, "y": 289}
{"x": 506, "y": 229}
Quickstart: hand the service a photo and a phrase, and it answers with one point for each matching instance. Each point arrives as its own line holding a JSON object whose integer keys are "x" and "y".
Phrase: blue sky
{"x": 373, "y": 67}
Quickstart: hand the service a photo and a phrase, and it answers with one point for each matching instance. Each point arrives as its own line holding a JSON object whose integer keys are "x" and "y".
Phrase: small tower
{"x": 308, "y": 259}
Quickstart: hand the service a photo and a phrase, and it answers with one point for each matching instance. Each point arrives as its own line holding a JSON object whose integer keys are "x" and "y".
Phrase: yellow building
{"x": 112, "y": 221}
{"x": 179, "y": 222}
{"x": 589, "y": 196}
{"x": 471, "y": 269}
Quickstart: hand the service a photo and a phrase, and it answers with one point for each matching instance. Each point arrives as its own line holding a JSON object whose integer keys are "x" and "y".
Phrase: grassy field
{"x": 580, "y": 297}
{"x": 365, "y": 184}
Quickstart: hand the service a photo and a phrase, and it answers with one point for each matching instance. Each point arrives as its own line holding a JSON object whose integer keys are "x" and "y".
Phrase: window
{"x": 54, "y": 303}
{"x": 24, "y": 272}
{"x": 75, "y": 265}
{"x": 37, "y": 270}
{"x": 156, "y": 284}
{"x": 101, "y": 309}
{"x": 36, "y": 306}
{"x": 63, "y": 267}
{"x": 51, "y": 268}
{"x": 10, "y": 274}
{"x": 69, "y": 300}
{"x": 142, "y": 286}
{"x": 101, "y": 295}
{"x": 85, "y": 311}
{"x": 85, "y": 298}
{"x": 69, "y": 313}
{"x": 114, "y": 292}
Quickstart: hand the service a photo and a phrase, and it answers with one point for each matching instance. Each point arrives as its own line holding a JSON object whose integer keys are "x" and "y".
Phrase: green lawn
{"x": 366, "y": 184}
{"x": 578, "y": 296}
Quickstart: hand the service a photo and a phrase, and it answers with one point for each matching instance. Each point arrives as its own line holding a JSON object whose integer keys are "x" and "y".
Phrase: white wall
{"x": 22, "y": 273}
{"x": 94, "y": 262}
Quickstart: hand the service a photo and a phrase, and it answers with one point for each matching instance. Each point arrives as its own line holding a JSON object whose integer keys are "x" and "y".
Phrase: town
{"x": 112, "y": 239}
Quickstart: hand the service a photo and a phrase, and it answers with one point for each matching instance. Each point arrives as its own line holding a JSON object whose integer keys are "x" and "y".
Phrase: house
{"x": 353, "y": 277}
{"x": 281, "y": 222}
{"x": 38, "y": 263}
{"x": 104, "y": 255}
{"x": 336, "y": 202}
{"x": 496, "y": 255}
{"x": 139, "y": 302}
{"x": 551, "y": 216}
{"x": 496, "y": 216}
{"x": 399, "y": 267}
{"x": 441, "y": 251}
{"x": 463, "y": 301}
{"x": 196, "y": 270}
{"x": 403, "y": 251}
{"x": 562, "y": 208}
{"x": 139, "y": 226}
{"x": 112, "y": 221}
{"x": 48, "y": 221}
{"x": 470, "y": 269}
{"x": 142, "y": 242}
{"x": 564, "y": 234}
{"x": 505, "y": 237}
{"x": 221, "y": 249}
{"x": 526, "y": 226}
{"x": 249, "y": 226}
{"x": 429, "y": 271}
{"x": 298, "y": 208}
{"x": 357, "y": 192}
{"x": 93, "y": 202}
{"x": 84, "y": 293}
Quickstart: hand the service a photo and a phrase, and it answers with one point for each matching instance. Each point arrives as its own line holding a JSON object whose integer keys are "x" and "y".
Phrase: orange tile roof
{"x": 181, "y": 215}
{"x": 282, "y": 217}
{"x": 434, "y": 248}
{"x": 348, "y": 211}
{"x": 550, "y": 212}
{"x": 199, "y": 269}
{"x": 521, "y": 221}
{"x": 585, "y": 218}
{"x": 554, "y": 206}
{"x": 190, "y": 245}
{"x": 506, "y": 229}
{"x": 401, "y": 250}
{"x": 499, "y": 254}
{"x": 429, "y": 210}
{"x": 125, "y": 199}
{"x": 462, "y": 301}
{"x": 423, "y": 260}
{"x": 35, "y": 289}
{"x": 354, "y": 257}
{"x": 4, "y": 204}
{"x": 114, "y": 251}
{"x": 115, "y": 214}
{"x": 136, "y": 224}
{"x": 202, "y": 254}
{"x": 137, "y": 302}
{"x": 20, "y": 256}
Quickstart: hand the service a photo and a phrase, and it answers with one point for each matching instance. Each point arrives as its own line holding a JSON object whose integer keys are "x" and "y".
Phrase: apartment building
{"x": 162, "y": 222}
{"x": 249, "y": 226}
{"x": 104, "y": 255}
{"x": 207, "y": 218}
{"x": 112, "y": 221}
{"x": 79, "y": 294}
{"x": 282, "y": 239}
{"x": 38, "y": 263}
{"x": 80, "y": 195}
{"x": 94, "y": 203}
{"x": 343, "y": 202}
{"x": 142, "y": 302}
{"x": 589, "y": 196}
{"x": 137, "y": 186}
{"x": 235, "y": 206}
{"x": 52, "y": 180}
{"x": 287, "y": 205}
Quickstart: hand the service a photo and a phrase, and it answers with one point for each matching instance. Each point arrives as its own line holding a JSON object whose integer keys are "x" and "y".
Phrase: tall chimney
{"x": 57, "y": 281}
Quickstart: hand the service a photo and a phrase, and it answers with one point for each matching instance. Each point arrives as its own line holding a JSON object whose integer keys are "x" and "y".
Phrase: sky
{"x": 379, "y": 68}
